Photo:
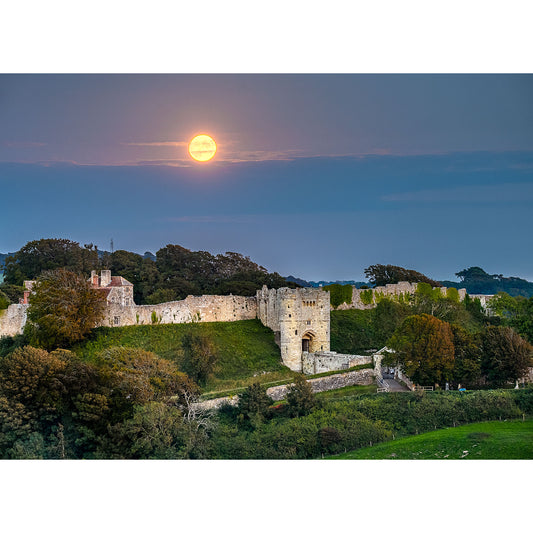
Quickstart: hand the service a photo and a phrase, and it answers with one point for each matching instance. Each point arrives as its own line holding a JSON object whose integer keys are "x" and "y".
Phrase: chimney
{"x": 105, "y": 278}
{"x": 94, "y": 278}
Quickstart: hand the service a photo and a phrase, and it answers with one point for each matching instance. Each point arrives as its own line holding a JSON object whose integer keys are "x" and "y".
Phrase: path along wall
{"x": 337, "y": 381}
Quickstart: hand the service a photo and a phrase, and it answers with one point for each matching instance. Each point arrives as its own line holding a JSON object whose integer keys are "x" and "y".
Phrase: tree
{"x": 380, "y": 275}
{"x": 253, "y": 403}
{"x": 476, "y": 281}
{"x": 516, "y": 312}
{"x": 386, "y": 317}
{"x": 46, "y": 383}
{"x": 38, "y": 256}
{"x": 63, "y": 309}
{"x": 199, "y": 356}
{"x": 32, "y": 377}
{"x": 424, "y": 349}
{"x": 13, "y": 292}
{"x": 467, "y": 370}
{"x": 134, "y": 377}
{"x": 505, "y": 355}
{"x": 431, "y": 301}
{"x": 300, "y": 398}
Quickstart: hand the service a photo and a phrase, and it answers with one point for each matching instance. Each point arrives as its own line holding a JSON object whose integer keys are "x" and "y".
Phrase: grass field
{"x": 485, "y": 440}
{"x": 247, "y": 351}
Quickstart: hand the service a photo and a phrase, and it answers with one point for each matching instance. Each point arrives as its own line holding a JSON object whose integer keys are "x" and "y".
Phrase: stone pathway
{"x": 335, "y": 381}
{"x": 394, "y": 386}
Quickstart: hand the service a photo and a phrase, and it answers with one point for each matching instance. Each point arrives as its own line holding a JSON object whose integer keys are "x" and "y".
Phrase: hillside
{"x": 247, "y": 351}
{"x": 485, "y": 440}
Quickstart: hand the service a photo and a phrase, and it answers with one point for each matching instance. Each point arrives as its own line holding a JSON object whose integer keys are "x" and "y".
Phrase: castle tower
{"x": 300, "y": 320}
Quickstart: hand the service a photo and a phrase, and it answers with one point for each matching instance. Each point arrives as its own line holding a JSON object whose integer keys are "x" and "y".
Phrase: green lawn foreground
{"x": 483, "y": 440}
{"x": 246, "y": 348}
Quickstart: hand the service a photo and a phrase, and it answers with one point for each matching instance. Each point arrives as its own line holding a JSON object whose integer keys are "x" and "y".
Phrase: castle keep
{"x": 299, "y": 318}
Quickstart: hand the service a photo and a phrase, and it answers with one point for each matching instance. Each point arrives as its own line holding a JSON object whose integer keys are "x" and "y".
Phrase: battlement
{"x": 369, "y": 298}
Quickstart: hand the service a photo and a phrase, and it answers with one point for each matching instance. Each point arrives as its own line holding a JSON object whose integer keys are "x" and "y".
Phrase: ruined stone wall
{"x": 337, "y": 381}
{"x": 192, "y": 309}
{"x": 294, "y": 315}
{"x": 325, "y": 362}
{"x": 13, "y": 320}
{"x": 369, "y": 298}
{"x": 279, "y": 392}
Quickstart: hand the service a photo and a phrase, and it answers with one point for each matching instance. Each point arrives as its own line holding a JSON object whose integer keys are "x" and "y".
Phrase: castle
{"x": 299, "y": 318}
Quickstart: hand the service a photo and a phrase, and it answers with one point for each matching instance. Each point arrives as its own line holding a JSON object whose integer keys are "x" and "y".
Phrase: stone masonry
{"x": 300, "y": 319}
{"x": 369, "y": 298}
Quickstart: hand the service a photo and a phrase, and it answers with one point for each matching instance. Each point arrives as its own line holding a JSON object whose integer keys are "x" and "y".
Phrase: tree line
{"x": 174, "y": 273}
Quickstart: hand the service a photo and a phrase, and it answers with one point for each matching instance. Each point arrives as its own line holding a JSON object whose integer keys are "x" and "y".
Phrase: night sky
{"x": 317, "y": 176}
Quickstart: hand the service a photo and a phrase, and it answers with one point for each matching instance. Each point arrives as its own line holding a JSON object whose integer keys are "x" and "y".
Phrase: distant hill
{"x": 304, "y": 283}
{"x": 476, "y": 281}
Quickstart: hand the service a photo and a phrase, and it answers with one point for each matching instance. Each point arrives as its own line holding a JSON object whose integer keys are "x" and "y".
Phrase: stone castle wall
{"x": 369, "y": 298}
{"x": 192, "y": 309}
{"x": 299, "y": 318}
{"x": 13, "y": 320}
{"x": 325, "y": 362}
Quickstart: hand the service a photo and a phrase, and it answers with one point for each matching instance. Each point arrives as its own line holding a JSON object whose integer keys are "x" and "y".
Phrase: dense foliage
{"x": 339, "y": 294}
{"x": 516, "y": 312}
{"x": 423, "y": 348}
{"x": 461, "y": 355}
{"x": 380, "y": 275}
{"x": 64, "y": 308}
{"x": 130, "y": 404}
{"x": 172, "y": 274}
{"x": 505, "y": 355}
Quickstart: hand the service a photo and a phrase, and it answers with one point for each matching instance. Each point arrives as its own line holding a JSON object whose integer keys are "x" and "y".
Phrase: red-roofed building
{"x": 118, "y": 290}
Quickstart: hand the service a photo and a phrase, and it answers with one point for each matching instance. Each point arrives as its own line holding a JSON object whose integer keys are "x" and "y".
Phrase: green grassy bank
{"x": 485, "y": 440}
{"x": 247, "y": 351}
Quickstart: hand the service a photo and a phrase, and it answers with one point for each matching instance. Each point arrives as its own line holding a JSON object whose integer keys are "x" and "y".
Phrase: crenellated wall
{"x": 369, "y": 298}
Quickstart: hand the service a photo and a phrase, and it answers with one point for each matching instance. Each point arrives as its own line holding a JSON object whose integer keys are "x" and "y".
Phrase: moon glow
{"x": 202, "y": 148}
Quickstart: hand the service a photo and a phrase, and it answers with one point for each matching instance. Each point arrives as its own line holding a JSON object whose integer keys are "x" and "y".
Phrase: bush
{"x": 253, "y": 403}
{"x": 199, "y": 356}
{"x": 300, "y": 398}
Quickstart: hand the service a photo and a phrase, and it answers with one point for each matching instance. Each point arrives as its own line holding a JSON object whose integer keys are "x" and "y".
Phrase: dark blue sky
{"x": 317, "y": 176}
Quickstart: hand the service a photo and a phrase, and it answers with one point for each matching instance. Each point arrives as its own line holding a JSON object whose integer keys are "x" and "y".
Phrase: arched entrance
{"x": 308, "y": 342}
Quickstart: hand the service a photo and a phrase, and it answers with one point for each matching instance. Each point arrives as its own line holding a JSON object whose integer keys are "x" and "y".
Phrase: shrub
{"x": 367, "y": 297}
{"x": 199, "y": 356}
{"x": 300, "y": 398}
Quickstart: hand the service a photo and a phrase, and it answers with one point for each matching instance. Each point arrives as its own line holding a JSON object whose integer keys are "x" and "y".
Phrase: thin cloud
{"x": 157, "y": 143}
{"x": 212, "y": 219}
{"x": 24, "y": 144}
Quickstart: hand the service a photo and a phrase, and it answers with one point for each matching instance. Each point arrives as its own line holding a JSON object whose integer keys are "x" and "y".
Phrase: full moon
{"x": 202, "y": 148}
